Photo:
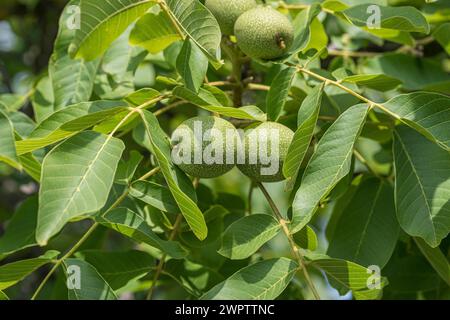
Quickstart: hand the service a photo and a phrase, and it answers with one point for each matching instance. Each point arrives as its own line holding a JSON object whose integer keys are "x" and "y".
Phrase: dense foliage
{"x": 93, "y": 207}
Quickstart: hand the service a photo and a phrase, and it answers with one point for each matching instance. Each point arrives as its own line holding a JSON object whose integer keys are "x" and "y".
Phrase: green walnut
{"x": 264, "y": 33}
{"x": 266, "y": 148}
{"x": 228, "y": 11}
{"x": 204, "y": 146}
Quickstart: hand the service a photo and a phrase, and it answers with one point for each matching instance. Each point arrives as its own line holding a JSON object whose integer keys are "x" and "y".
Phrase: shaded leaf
{"x": 92, "y": 286}
{"x": 306, "y": 239}
{"x": 367, "y": 230}
{"x": 135, "y": 227}
{"x": 279, "y": 92}
{"x": 192, "y": 65}
{"x": 436, "y": 258}
{"x": 155, "y": 195}
{"x": 20, "y": 232}
{"x": 118, "y": 268}
{"x": 307, "y": 119}
{"x": 8, "y": 152}
{"x": 245, "y": 236}
{"x": 14, "y": 272}
{"x": 422, "y": 186}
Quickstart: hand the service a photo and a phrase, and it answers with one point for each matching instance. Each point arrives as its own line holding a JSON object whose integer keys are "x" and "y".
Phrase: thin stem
{"x": 164, "y": 7}
{"x": 162, "y": 261}
{"x": 234, "y": 55}
{"x": 250, "y": 197}
{"x": 296, "y": 253}
{"x": 168, "y": 108}
{"x": 354, "y": 54}
{"x": 88, "y": 234}
{"x": 258, "y": 87}
{"x": 350, "y": 91}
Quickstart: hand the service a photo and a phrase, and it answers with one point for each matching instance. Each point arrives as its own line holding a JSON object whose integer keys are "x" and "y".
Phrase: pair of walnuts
{"x": 261, "y": 31}
{"x": 208, "y": 147}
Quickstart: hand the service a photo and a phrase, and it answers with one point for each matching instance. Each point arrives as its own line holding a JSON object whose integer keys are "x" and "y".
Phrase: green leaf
{"x": 31, "y": 166}
{"x": 72, "y": 80}
{"x": 436, "y": 258}
{"x": 245, "y": 236}
{"x": 14, "y": 272}
{"x": 264, "y": 280}
{"x": 103, "y": 22}
{"x": 154, "y": 32}
{"x": 179, "y": 185}
{"x": 90, "y": 161}
{"x": 330, "y": 163}
{"x": 279, "y": 92}
{"x": 20, "y": 232}
{"x": 306, "y": 238}
{"x": 415, "y": 73}
{"x": 206, "y": 100}
{"x": 407, "y": 19}
{"x": 3, "y": 296}
{"x": 8, "y": 152}
{"x": 23, "y": 124}
{"x": 367, "y": 230}
{"x": 442, "y": 35}
{"x": 302, "y": 27}
{"x": 348, "y": 276}
{"x": 379, "y": 82}
{"x": 141, "y": 96}
{"x": 68, "y": 122}
{"x": 428, "y": 113}
{"x": 43, "y": 99}
{"x": 135, "y": 227}
{"x": 192, "y": 65}
{"x": 154, "y": 194}
{"x": 127, "y": 168}
{"x": 118, "y": 268}
{"x": 422, "y": 186}
{"x": 92, "y": 286}
{"x": 307, "y": 119}
{"x": 198, "y": 24}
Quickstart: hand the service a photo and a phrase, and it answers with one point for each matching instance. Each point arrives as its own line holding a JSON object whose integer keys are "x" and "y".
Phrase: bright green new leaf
{"x": 428, "y": 113}
{"x": 307, "y": 119}
{"x": 264, "y": 280}
{"x": 77, "y": 177}
{"x": 367, "y": 231}
{"x": 3, "y": 296}
{"x": 330, "y": 163}
{"x": 245, "y": 236}
{"x": 85, "y": 282}
{"x": 154, "y": 32}
{"x": 103, "y": 22}
{"x": 14, "y": 272}
{"x": 118, "y": 267}
{"x": 135, "y": 227}
{"x": 422, "y": 186}
{"x": 177, "y": 181}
